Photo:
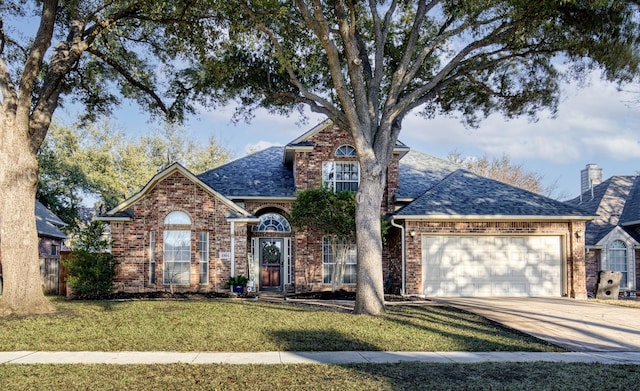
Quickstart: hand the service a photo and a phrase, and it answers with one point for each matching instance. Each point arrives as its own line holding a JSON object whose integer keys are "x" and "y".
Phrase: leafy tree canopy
{"x": 325, "y": 210}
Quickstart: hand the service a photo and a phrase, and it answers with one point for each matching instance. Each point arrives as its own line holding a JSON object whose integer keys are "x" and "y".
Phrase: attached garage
{"x": 492, "y": 265}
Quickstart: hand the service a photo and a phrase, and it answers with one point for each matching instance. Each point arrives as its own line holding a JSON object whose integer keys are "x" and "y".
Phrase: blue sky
{"x": 594, "y": 124}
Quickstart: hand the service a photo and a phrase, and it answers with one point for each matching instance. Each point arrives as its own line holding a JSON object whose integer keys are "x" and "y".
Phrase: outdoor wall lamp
{"x": 578, "y": 234}
{"x": 412, "y": 234}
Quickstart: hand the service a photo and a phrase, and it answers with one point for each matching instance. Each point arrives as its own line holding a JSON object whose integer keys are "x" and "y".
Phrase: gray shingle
{"x": 261, "y": 174}
{"x": 47, "y": 223}
{"x": 463, "y": 193}
{"x": 419, "y": 172}
{"x": 615, "y": 201}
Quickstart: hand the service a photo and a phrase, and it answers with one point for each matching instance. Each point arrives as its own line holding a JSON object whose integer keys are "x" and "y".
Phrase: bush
{"x": 91, "y": 267}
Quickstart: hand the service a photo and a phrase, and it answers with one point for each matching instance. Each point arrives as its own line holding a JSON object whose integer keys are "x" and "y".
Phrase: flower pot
{"x": 239, "y": 289}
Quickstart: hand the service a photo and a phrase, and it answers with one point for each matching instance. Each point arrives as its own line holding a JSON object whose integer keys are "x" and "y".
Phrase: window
{"x": 203, "y": 249}
{"x": 342, "y": 175}
{"x": 346, "y": 150}
{"x": 152, "y": 258}
{"x": 177, "y": 218}
{"x": 177, "y": 249}
{"x": 335, "y": 248}
{"x": 618, "y": 260}
{"x": 272, "y": 222}
{"x": 54, "y": 249}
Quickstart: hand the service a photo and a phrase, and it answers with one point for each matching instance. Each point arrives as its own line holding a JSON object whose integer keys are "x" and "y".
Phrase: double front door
{"x": 271, "y": 262}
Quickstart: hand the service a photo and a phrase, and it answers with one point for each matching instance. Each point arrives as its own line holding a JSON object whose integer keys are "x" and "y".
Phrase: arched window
{"x": 177, "y": 218}
{"x": 617, "y": 254}
{"x": 177, "y": 250}
{"x": 346, "y": 151}
{"x": 272, "y": 222}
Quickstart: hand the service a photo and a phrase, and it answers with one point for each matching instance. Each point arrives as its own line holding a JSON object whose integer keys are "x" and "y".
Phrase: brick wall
{"x": 207, "y": 214}
{"x": 592, "y": 268}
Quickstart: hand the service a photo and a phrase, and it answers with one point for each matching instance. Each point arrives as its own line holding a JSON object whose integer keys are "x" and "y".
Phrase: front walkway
{"x": 270, "y": 358}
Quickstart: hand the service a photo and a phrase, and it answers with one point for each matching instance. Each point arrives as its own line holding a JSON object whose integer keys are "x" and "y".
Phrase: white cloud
{"x": 592, "y": 123}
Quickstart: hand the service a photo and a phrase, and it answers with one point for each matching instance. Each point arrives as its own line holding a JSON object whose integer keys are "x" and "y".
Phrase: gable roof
{"x": 47, "y": 223}
{"x": 616, "y": 202}
{"x": 121, "y": 211}
{"x": 465, "y": 195}
{"x": 261, "y": 174}
{"x": 303, "y": 143}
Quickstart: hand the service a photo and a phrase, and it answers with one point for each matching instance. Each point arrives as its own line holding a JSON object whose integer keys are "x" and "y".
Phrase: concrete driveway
{"x": 577, "y": 325}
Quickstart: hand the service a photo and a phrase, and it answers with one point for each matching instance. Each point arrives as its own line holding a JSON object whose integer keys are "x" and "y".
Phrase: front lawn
{"x": 403, "y": 376}
{"x": 236, "y": 326}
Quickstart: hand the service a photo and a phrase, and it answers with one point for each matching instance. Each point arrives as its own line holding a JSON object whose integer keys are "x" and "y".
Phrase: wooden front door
{"x": 271, "y": 264}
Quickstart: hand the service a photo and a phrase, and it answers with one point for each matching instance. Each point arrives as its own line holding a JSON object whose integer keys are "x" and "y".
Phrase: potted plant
{"x": 237, "y": 283}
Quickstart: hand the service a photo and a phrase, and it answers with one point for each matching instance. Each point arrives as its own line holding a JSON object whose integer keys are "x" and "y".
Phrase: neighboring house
{"x": 612, "y": 240}
{"x": 453, "y": 233}
{"x": 50, "y": 242}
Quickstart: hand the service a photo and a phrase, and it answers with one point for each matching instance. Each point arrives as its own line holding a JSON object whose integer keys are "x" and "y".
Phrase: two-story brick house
{"x": 453, "y": 233}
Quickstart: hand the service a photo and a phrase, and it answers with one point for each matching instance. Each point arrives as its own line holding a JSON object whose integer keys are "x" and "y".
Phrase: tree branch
{"x": 130, "y": 78}
{"x": 305, "y": 94}
{"x": 36, "y": 55}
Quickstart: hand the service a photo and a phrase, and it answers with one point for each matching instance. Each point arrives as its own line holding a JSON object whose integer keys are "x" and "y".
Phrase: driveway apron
{"x": 576, "y": 325}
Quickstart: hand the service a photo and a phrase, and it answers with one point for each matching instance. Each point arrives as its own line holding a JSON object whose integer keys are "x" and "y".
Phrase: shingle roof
{"x": 464, "y": 193}
{"x": 419, "y": 172}
{"x": 616, "y": 202}
{"x": 47, "y": 223}
{"x": 261, "y": 174}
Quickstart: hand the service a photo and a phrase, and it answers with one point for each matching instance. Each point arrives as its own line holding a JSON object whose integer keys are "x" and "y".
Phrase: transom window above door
{"x": 272, "y": 222}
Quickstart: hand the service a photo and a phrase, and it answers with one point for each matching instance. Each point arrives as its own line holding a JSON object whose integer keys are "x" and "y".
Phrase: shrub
{"x": 91, "y": 267}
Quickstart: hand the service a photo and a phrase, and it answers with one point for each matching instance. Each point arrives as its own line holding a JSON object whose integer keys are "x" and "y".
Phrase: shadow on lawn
{"x": 319, "y": 340}
{"x": 467, "y": 331}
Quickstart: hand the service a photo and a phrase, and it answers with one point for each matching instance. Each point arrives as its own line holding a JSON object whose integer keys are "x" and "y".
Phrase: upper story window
{"x": 272, "y": 222}
{"x": 346, "y": 151}
{"x": 343, "y": 174}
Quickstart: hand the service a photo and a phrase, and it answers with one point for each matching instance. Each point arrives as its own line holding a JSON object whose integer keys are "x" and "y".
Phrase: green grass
{"x": 404, "y": 376}
{"x": 236, "y": 326}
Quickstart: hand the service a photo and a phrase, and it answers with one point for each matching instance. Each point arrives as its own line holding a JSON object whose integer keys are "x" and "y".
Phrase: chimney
{"x": 590, "y": 177}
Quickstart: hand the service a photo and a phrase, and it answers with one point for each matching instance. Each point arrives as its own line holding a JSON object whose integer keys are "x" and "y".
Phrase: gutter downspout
{"x": 393, "y": 222}
{"x": 233, "y": 247}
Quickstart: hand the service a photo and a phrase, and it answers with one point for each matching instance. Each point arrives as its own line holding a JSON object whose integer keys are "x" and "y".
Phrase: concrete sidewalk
{"x": 271, "y": 358}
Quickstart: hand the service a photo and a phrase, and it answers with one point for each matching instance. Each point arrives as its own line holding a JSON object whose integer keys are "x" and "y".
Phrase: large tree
{"x": 367, "y": 64}
{"x": 104, "y": 50}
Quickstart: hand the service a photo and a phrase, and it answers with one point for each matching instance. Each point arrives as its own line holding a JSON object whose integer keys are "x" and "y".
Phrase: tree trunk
{"x": 22, "y": 292}
{"x": 370, "y": 291}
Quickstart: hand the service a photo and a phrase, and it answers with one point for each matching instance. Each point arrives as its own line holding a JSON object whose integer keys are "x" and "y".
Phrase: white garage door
{"x": 491, "y": 266}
